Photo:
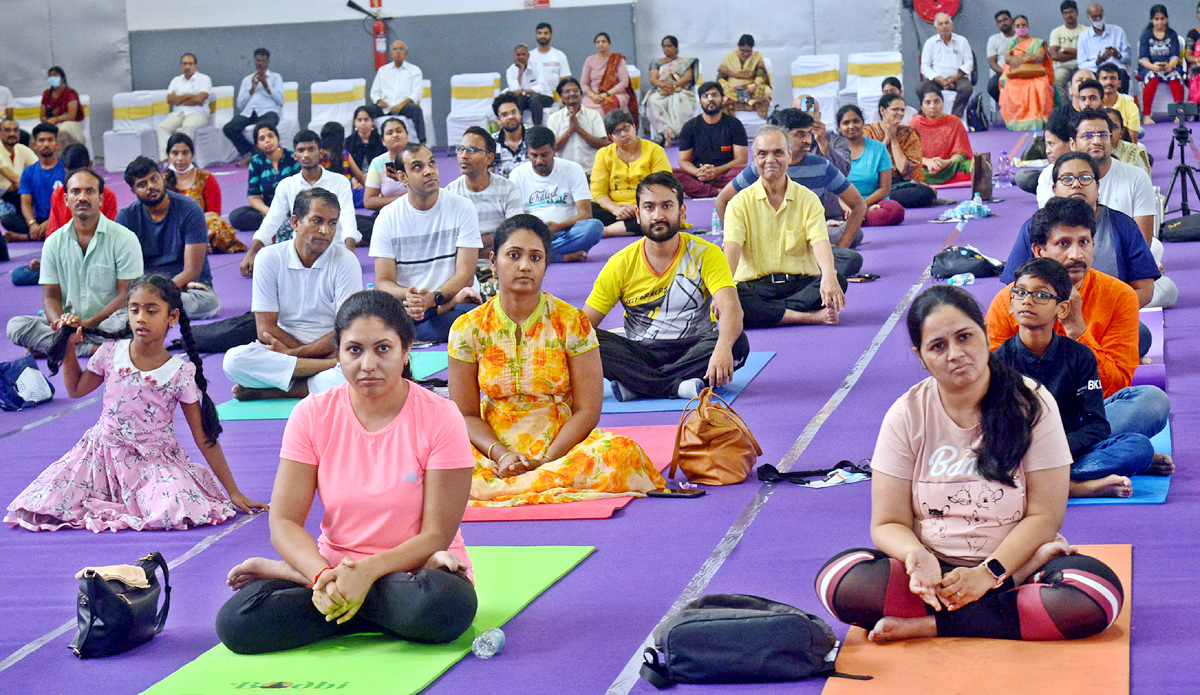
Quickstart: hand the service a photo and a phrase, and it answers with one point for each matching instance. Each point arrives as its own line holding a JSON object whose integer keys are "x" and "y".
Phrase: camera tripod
{"x": 1185, "y": 174}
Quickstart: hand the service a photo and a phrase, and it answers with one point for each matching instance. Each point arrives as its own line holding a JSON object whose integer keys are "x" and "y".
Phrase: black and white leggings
{"x": 1069, "y": 597}
{"x": 269, "y": 615}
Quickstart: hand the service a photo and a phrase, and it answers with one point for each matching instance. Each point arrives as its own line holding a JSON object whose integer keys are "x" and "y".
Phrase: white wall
{"x": 782, "y": 30}
{"x": 152, "y": 15}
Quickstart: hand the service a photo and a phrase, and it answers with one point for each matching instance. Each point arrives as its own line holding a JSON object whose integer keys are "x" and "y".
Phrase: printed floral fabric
{"x": 526, "y": 399}
{"x": 222, "y": 237}
{"x": 129, "y": 470}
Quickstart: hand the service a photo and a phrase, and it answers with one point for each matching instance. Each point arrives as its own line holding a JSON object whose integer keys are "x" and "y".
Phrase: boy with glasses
{"x": 1040, "y": 297}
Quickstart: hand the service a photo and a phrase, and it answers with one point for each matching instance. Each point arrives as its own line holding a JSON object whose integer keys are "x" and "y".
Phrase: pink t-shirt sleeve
{"x": 297, "y": 435}
{"x": 1048, "y": 447}
{"x": 894, "y": 454}
{"x": 449, "y": 445}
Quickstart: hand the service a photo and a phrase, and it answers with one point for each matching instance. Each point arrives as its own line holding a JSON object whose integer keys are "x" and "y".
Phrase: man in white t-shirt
{"x": 397, "y": 89}
{"x": 525, "y": 81}
{"x": 188, "y": 96}
{"x": 298, "y": 288}
{"x": 550, "y": 62}
{"x": 996, "y": 44}
{"x": 1064, "y": 45}
{"x": 495, "y": 198}
{"x": 579, "y": 133}
{"x": 425, "y": 245}
{"x": 1123, "y": 187}
{"x": 277, "y": 223}
{"x": 557, "y": 191}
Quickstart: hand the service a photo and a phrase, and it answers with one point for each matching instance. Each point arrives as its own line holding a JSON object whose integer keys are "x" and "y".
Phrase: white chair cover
{"x": 471, "y": 97}
{"x": 865, "y": 73}
{"x": 132, "y": 135}
{"x": 818, "y": 76}
{"x": 336, "y": 100}
{"x": 212, "y": 147}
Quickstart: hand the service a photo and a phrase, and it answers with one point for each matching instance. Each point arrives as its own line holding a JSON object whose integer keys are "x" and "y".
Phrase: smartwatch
{"x": 439, "y": 299}
{"x": 996, "y": 569}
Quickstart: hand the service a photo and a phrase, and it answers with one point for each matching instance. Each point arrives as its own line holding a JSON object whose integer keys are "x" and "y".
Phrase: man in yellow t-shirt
{"x": 683, "y": 322}
{"x": 1109, "y": 76}
{"x": 778, "y": 247}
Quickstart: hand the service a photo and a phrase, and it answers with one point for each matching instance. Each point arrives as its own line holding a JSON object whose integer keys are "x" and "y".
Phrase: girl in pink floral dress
{"x": 129, "y": 470}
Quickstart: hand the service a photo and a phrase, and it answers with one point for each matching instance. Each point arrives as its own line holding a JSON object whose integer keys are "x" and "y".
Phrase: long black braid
{"x": 169, "y": 293}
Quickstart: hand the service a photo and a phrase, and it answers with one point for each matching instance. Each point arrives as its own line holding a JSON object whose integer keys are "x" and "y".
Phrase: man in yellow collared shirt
{"x": 778, "y": 247}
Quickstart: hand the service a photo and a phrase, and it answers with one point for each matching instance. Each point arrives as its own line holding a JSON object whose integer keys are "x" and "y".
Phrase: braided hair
{"x": 169, "y": 293}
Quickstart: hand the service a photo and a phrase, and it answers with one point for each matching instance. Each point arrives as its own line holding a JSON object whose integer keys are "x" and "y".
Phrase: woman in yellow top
{"x": 744, "y": 78}
{"x": 536, "y": 361}
{"x": 618, "y": 170}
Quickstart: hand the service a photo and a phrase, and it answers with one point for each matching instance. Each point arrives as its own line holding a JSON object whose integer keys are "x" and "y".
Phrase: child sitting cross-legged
{"x": 1102, "y": 462}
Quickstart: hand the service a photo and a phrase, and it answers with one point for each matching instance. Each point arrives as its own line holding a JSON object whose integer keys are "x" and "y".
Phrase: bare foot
{"x": 261, "y": 568}
{"x": 820, "y": 317}
{"x": 890, "y": 629}
{"x": 11, "y": 237}
{"x": 1162, "y": 465}
{"x": 575, "y": 257}
{"x": 245, "y": 393}
{"x": 1110, "y": 486}
{"x": 1147, "y": 360}
{"x": 1045, "y": 553}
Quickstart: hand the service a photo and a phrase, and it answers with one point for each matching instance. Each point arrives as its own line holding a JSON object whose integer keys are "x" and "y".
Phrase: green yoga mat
{"x": 506, "y": 578}
{"x": 424, "y": 365}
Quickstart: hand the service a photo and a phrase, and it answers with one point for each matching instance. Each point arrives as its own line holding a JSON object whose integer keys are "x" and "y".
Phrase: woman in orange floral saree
{"x": 525, "y": 373}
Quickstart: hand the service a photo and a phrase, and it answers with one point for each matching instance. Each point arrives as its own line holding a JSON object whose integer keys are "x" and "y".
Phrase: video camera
{"x": 1183, "y": 109}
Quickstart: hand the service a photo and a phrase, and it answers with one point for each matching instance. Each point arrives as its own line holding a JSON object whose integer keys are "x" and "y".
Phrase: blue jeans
{"x": 24, "y": 275}
{"x": 437, "y": 329}
{"x": 582, "y": 236}
{"x": 1138, "y": 409}
{"x": 1122, "y": 454}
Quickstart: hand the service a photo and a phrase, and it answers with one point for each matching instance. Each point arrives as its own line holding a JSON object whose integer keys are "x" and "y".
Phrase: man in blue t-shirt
{"x": 712, "y": 146}
{"x": 37, "y": 185}
{"x": 818, "y": 175}
{"x": 174, "y": 237}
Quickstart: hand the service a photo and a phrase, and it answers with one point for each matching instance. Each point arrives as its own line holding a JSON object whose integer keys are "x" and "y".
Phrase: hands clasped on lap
{"x": 952, "y": 590}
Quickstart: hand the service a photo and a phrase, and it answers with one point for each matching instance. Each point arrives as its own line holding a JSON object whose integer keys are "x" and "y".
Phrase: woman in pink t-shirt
{"x": 969, "y": 490}
{"x": 392, "y": 464}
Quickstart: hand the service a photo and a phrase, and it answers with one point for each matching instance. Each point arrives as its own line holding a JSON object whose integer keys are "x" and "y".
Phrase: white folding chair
{"x": 212, "y": 147}
{"x": 820, "y": 77}
{"x": 426, "y": 111}
{"x": 289, "y": 120}
{"x": 85, "y": 103}
{"x": 865, "y": 73}
{"x": 161, "y": 107}
{"x": 27, "y": 111}
{"x": 132, "y": 135}
{"x": 336, "y": 100}
{"x": 750, "y": 119}
{"x": 471, "y": 97}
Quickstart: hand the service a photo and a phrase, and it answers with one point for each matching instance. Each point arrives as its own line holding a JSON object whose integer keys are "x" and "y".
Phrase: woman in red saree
{"x": 1027, "y": 86}
{"x": 605, "y": 79}
{"x": 946, "y": 151}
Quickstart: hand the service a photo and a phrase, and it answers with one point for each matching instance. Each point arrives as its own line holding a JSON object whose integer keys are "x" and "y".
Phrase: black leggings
{"x": 1069, "y": 597}
{"x": 654, "y": 368}
{"x": 269, "y": 615}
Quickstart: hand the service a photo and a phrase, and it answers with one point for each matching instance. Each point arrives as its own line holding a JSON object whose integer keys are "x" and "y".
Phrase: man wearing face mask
{"x": 778, "y": 246}
{"x": 1103, "y": 43}
{"x": 188, "y": 96}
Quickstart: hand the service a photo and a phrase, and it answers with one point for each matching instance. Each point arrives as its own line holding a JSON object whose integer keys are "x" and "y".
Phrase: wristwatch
{"x": 996, "y": 569}
{"x": 439, "y": 299}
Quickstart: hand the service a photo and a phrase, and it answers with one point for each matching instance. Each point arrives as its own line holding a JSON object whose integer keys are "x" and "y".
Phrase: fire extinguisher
{"x": 379, "y": 32}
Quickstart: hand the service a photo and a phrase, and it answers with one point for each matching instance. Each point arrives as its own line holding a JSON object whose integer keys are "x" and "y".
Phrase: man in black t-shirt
{"x": 712, "y": 146}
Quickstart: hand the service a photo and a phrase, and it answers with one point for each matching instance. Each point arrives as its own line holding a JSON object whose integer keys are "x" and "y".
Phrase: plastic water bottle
{"x": 716, "y": 229}
{"x": 961, "y": 279}
{"x": 1004, "y": 169}
{"x": 488, "y": 643}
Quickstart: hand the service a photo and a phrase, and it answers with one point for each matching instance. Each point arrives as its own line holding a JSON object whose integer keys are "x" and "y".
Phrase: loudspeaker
{"x": 1181, "y": 229}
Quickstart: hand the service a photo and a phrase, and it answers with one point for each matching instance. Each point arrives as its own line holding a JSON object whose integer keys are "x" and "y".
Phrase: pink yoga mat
{"x": 657, "y": 440}
{"x": 956, "y": 184}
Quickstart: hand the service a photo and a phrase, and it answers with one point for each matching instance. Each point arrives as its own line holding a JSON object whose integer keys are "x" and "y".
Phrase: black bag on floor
{"x": 953, "y": 260}
{"x": 736, "y": 638}
{"x": 115, "y": 617}
{"x": 222, "y": 335}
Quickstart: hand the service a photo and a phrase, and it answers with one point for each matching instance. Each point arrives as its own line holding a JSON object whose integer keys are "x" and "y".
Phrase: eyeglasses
{"x": 468, "y": 149}
{"x": 1071, "y": 179}
{"x": 1095, "y": 136}
{"x": 1038, "y": 297}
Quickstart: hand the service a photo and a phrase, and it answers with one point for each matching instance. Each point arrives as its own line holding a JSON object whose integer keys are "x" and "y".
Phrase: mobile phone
{"x": 863, "y": 277}
{"x": 808, "y": 103}
{"x": 676, "y": 492}
{"x": 391, "y": 166}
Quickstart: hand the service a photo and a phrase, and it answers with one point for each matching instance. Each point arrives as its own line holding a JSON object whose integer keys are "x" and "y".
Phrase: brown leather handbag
{"x": 713, "y": 445}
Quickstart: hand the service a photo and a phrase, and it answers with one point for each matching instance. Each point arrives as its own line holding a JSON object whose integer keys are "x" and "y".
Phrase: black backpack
{"x": 975, "y": 116}
{"x": 737, "y": 638}
{"x": 953, "y": 260}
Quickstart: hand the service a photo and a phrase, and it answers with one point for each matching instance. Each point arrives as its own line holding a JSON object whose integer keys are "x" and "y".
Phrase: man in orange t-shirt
{"x": 1103, "y": 316}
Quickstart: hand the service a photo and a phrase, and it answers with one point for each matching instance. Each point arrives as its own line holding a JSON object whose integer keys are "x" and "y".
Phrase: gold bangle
{"x": 507, "y": 453}
{"x": 493, "y": 446}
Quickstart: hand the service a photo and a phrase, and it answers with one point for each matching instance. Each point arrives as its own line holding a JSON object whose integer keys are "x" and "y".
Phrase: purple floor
{"x": 591, "y": 624}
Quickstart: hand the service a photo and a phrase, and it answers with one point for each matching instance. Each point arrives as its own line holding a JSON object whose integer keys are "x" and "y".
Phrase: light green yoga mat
{"x": 424, "y": 365}
{"x": 506, "y": 578}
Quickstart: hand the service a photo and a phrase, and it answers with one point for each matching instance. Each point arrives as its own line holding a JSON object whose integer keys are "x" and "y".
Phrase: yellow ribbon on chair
{"x": 337, "y": 97}
{"x": 472, "y": 92}
{"x": 814, "y": 79}
{"x": 27, "y": 113}
{"x": 132, "y": 113}
{"x": 875, "y": 69}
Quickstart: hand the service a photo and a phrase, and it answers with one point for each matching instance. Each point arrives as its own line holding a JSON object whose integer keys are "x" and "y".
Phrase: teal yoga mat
{"x": 506, "y": 579}
{"x": 1147, "y": 489}
{"x": 424, "y": 365}
{"x": 741, "y": 378}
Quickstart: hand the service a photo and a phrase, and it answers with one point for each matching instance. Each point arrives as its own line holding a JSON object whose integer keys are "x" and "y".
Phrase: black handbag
{"x": 953, "y": 260}
{"x": 115, "y": 617}
{"x": 737, "y": 638}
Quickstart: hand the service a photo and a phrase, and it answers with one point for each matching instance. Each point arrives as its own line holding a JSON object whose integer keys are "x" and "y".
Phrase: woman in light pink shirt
{"x": 392, "y": 464}
{"x": 969, "y": 490}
